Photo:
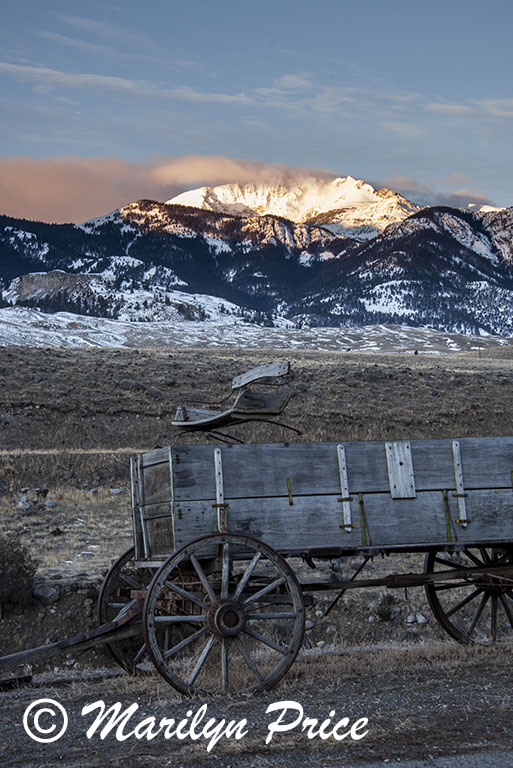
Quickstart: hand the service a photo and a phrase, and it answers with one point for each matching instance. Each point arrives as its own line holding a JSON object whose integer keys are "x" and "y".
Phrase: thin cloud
{"x": 497, "y": 107}
{"x": 108, "y": 30}
{"x": 291, "y": 92}
{"x": 120, "y": 85}
{"x": 448, "y": 109}
{"x": 81, "y": 45}
{"x": 456, "y": 178}
{"x": 406, "y": 129}
{"x": 426, "y": 194}
{"x": 108, "y": 51}
{"x": 286, "y": 84}
{"x": 469, "y": 197}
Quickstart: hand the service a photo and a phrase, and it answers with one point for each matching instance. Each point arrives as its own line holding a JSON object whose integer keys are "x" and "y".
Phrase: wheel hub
{"x": 226, "y": 618}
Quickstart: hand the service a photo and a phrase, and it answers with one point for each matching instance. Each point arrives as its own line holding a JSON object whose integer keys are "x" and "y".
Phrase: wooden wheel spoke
{"x": 139, "y": 655}
{"x": 265, "y": 640}
{"x": 167, "y": 636}
{"x": 188, "y": 619}
{"x": 247, "y": 575}
{"x": 474, "y": 559}
{"x": 491, "y": 585}
{"x": 484, "y": 554}
{"x": 225, "y": 572}
{"x": 265, "y": 590}
{"x": 130, "y": 581}
{"x": 224, "y": 665}
{"x": 274, "y": 615}
{"x": 202, "y": 577}
{"x": 484, "y": 600}
{"x": 202, "y": 659}
{"x": 494, "y": 618}
{"x": 247, "y": 658}
{"x": 186, "y": 594}
{"x": 183, "y": 643}
{"x": 464, "y": 602}
{"x": 449, "y": 563}
{"x": 507, "y": 609}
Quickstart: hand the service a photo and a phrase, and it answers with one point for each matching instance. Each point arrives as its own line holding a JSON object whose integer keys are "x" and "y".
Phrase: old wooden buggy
{"x": 226, "y": 540}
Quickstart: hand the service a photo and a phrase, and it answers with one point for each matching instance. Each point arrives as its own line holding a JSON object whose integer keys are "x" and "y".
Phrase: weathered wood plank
{"x": 136, "y": 518}
{"x": 317, "y": 522}
{"x": 248, "y": 403}
{"x": 261, "y": 372}
{"x": 490, "y": 516}
{"x": 400, "y": 470}
{"x": 273, "y": 521}
{"x": 262, "y": 470}
{"x": 156, "y": 479}
{"x": 159, "y": 535}
{"x": 156, "y": 456}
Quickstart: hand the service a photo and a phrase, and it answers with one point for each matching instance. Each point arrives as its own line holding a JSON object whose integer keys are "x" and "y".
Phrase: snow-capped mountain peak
{"x": 347, "y": 206}
{"x": 227, "y": 257}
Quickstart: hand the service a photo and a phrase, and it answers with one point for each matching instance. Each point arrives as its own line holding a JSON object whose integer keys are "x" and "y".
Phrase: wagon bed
{"x": 327, "y": 499}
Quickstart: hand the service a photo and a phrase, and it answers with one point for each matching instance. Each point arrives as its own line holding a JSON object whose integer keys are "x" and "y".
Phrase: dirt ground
{"x": 69, "y": 422}
{"x": 419, "y": 702}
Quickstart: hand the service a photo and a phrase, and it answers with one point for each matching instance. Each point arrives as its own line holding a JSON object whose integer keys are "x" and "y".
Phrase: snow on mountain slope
{"x": 348, "y": 207}
{"x": 218, "y": 230}
{"x": 499, "y": 224}
{"x": 455, "y": 227}
{"x": 94, "y": 291}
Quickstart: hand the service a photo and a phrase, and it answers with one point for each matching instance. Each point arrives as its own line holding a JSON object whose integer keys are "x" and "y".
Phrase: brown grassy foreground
{"x": 420, "y": 702}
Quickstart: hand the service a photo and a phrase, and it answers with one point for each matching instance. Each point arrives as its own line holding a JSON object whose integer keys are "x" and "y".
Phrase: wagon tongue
{"x": 123, "y": 626}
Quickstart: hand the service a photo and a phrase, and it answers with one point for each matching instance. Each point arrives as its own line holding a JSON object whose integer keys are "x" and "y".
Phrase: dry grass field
{"x": 90, "y": 407}
{"x": 70, "y": 419}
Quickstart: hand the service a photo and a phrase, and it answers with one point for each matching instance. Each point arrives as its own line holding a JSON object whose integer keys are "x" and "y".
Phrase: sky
{"x": 107, "y": 102}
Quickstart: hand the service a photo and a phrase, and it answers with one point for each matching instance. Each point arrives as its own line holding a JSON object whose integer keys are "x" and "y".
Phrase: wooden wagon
{"x": 226, "y": 540}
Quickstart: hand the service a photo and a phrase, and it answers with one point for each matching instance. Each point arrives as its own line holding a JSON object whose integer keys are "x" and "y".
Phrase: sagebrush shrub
{"x": 17, "y": 571}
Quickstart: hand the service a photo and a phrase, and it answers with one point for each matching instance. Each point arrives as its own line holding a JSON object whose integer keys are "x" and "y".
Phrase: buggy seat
{"x": 247, "y": 405}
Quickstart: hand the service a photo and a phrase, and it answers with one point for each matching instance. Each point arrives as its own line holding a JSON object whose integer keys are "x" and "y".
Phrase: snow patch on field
{"x": 31, "y": 327}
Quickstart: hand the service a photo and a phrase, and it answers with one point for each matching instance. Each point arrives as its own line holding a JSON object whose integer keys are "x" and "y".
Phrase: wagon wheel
{"x": 115, "y": 593}
{"x": 477, "y": 608}
{"x": 239, "y": 629}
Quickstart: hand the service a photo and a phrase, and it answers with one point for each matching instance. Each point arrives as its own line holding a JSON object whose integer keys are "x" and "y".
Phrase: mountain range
{"x": 310, "y": 252}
